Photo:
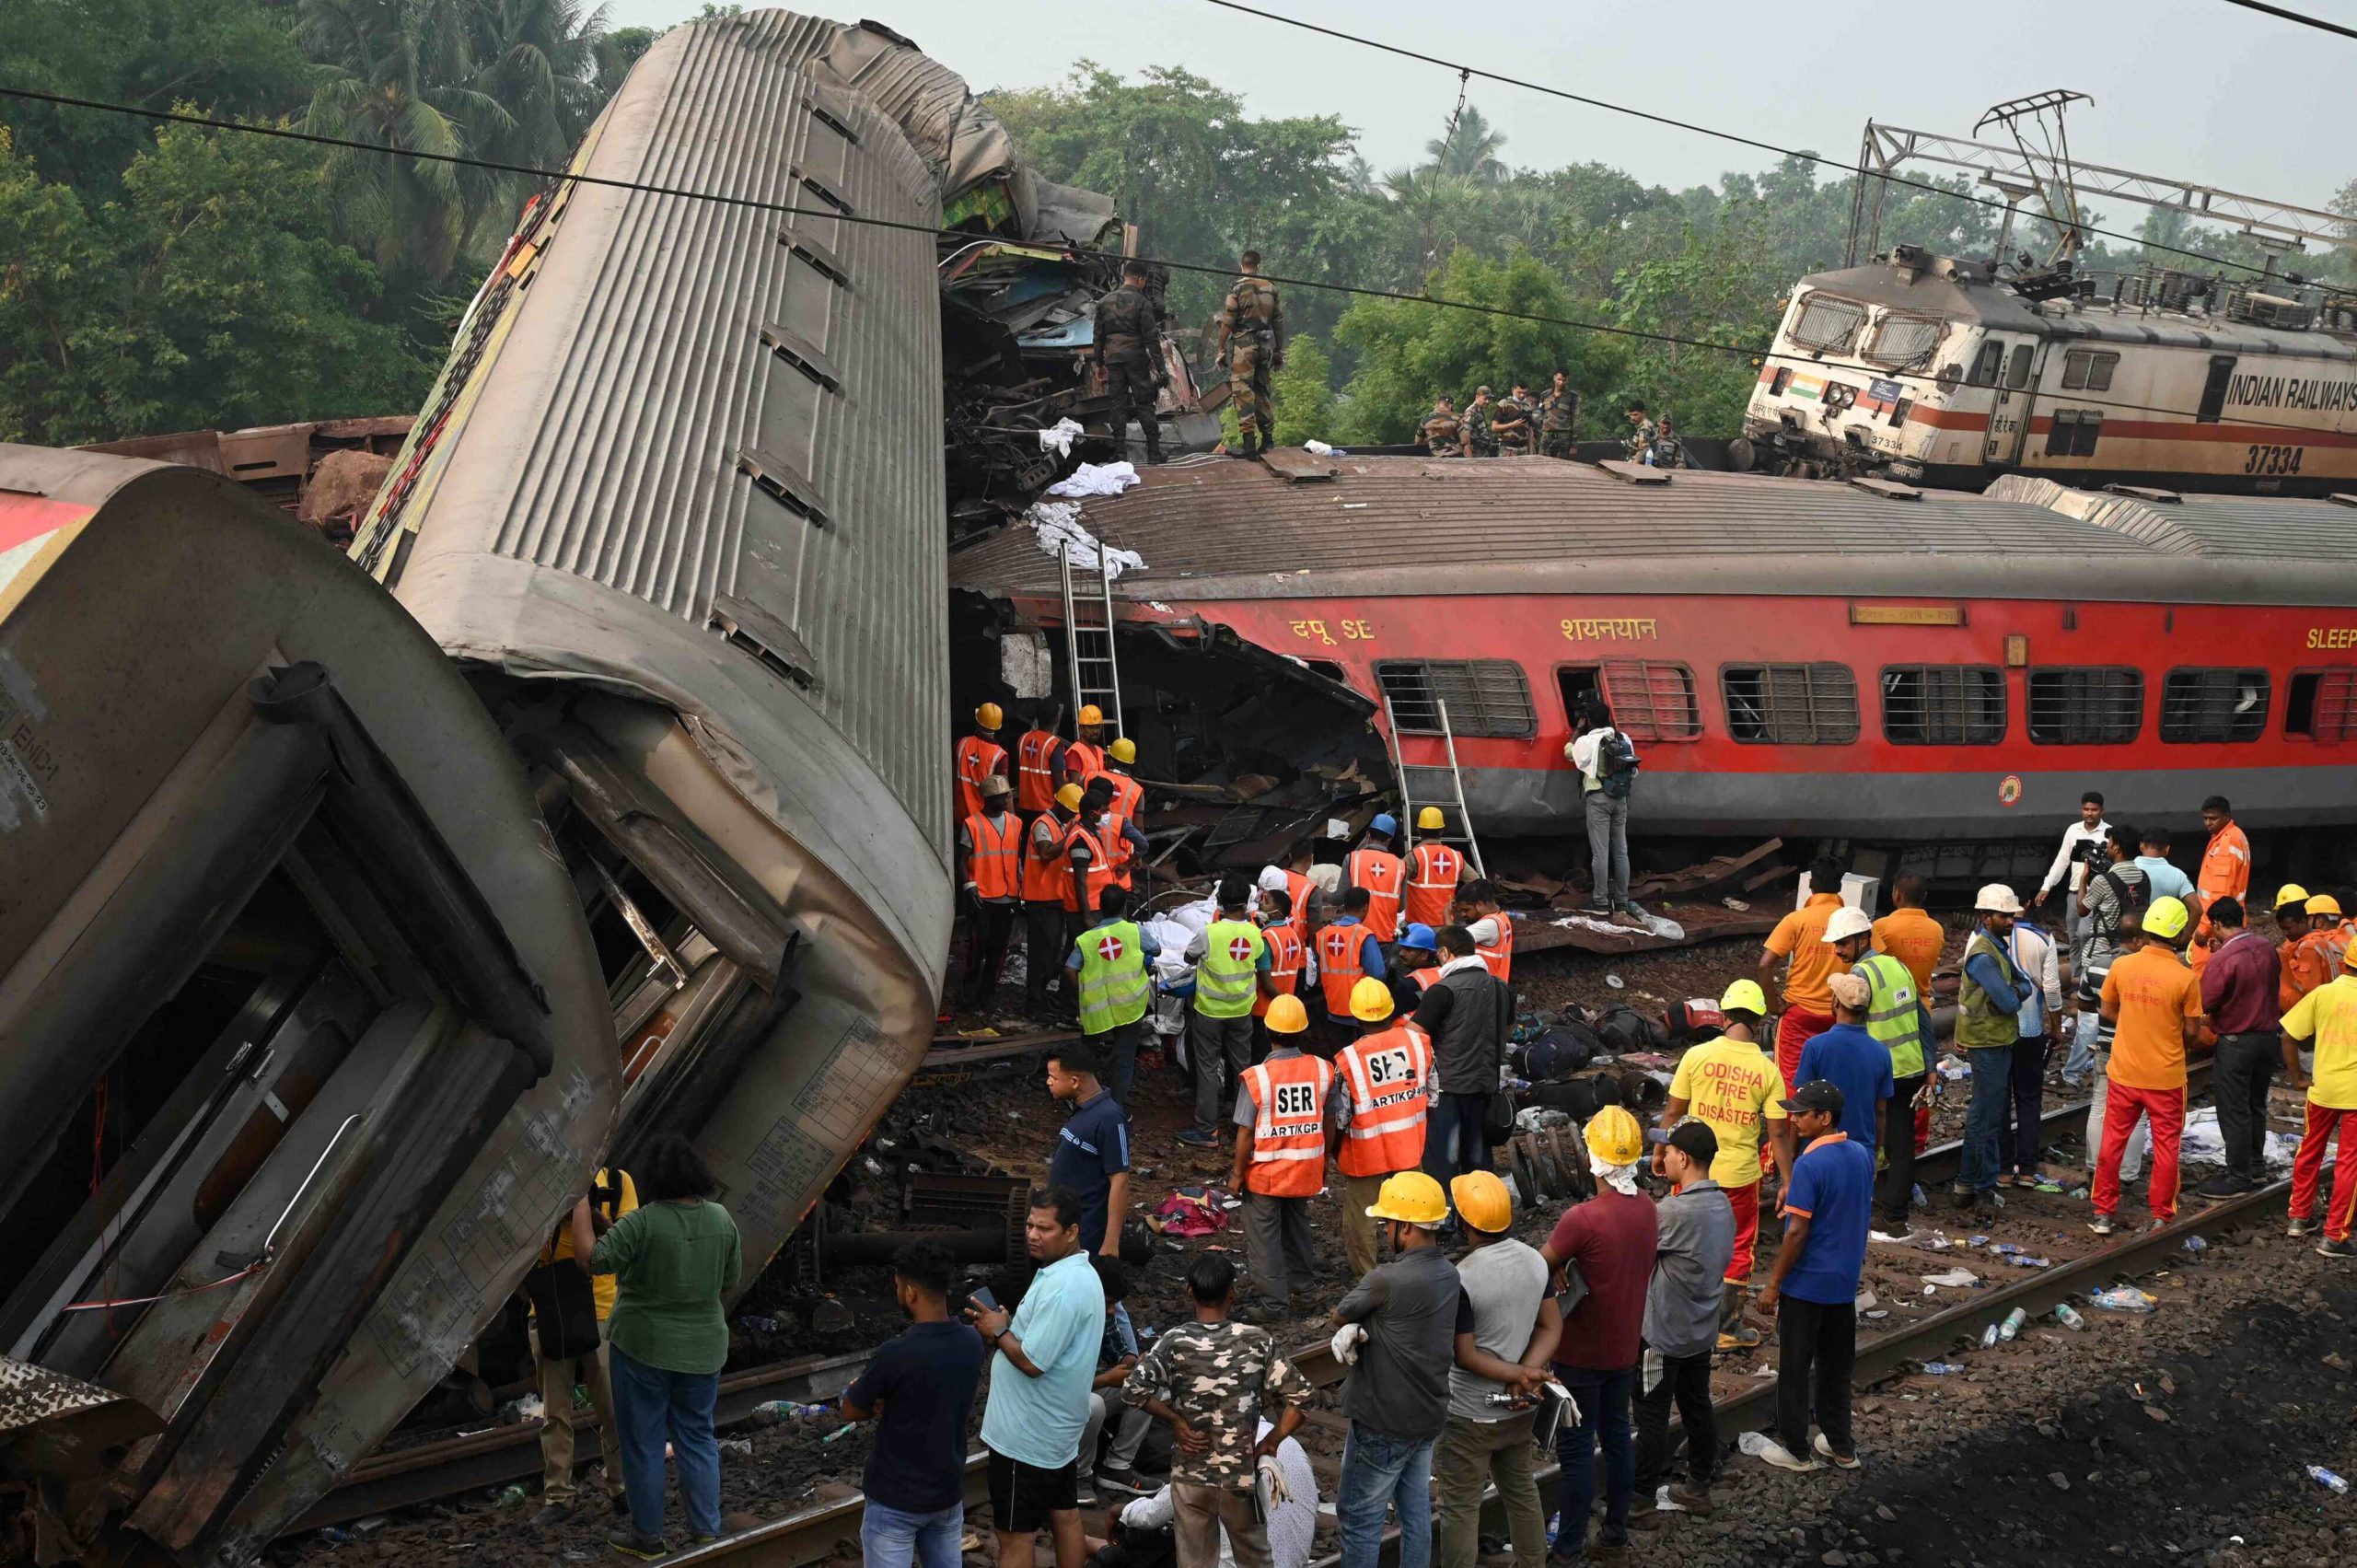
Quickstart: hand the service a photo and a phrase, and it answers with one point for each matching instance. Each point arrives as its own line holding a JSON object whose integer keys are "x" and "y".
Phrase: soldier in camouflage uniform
{"x": 1128, "y": 348}
{"x": 1559, "y": 417}
{"x": 1669, "y": 452}
{"x": 1441, "y": 432}
{"x": 1209, "y": 1379}
{"x": 1511, "y": 422}
{"x": 1477, "y": 414}
{"x": 1638, "y": 445}
{"x": 1252, "y": 342}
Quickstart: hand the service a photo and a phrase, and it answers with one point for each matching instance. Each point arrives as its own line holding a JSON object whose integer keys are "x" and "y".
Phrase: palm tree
{"x": 400, "y": 74}
{"x": 540, "y": 61}
{"x": 1471, "y": 150}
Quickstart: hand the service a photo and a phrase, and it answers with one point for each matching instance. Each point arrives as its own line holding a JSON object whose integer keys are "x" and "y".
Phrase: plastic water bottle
{"x": 1940, "y": 1368}
{"x": 1988, "y": 1337}
{"x": 2068, "y": 1316}
{"x": 2123, "y": 1298}
{"x": 775, "y": 1410}
{"x": 2195, "y": 1244}
{"x": 2012, "y": 1324}
{"x": 753, "y": 1323}
{"x": 512, "y": 1497}
{"x": 2324, "y": 1477}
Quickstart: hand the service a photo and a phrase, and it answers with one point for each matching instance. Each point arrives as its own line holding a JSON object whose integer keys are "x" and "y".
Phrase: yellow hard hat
{"x": 1069, "y": 797}
{"x": 2324, "y": 903}
{"x": 2166, "y": 917}
{"x": 1412, "y": 1198}
{"x": 1123, "y": 749}
{"x": 1745, "y": 996}
{"x": 1614, "y": 1137}
{"x": 989, "y": 716}
{"x": 1482, "y": 1201}
{"x": 1287, "y": 1016}
{"x": 1429, "y": 818}
{"x": 1370, "y": 999}
{"x": 1089, "y": 715}
{"x": 2289, "y": 893}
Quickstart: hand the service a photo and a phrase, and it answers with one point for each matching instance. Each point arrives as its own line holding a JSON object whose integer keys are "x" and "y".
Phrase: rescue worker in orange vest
{"x": 1085, "y": 757}
{"x": 1415, "y": 964}
{"x": 1287, "y": 954}
{"x": 2225, "y": 870}
{"x": 1048, "y": 931}
{"x": 1433, "y": 871}
{"x": 1090, "y": 862}
{"x": 1038, "y": 762}
{"x": 1479, "y": 911}
{"x": 979, "y": 757}
{"x": 990, "y": 861}
{"x": 1293, "y": 876}
{"x": 1347, "y": 953}
{"x": 1375, "y": 1122}
{"x": 1123, "y": 838}
{"x": 1372, "y": 865}
{"x": 1280, "y": 1164}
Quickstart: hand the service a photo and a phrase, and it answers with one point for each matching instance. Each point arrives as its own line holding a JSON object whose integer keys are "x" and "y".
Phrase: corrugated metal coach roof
{"x": 2263, "y": 528}
{"x": 1384, "y": 526}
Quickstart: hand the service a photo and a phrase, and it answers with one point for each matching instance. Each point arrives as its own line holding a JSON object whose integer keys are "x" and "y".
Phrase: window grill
{"x": 2220, "y": 706}
{"x": 1942, "y": 705}
{"x": 2085, "y": 707}
{"x": 1790, "y": 704}
{"x": 1904, "y": 339}
{"x": 1486, "y": 697}
{"x": 1828, "y": 324}
{"x": 1651, "y": 699}
{"x": 2322, "y": 705}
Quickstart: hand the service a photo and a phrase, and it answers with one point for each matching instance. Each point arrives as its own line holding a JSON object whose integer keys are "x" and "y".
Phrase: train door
{"x": 2009, "y": 403}
{"x": 2214, "y": 389}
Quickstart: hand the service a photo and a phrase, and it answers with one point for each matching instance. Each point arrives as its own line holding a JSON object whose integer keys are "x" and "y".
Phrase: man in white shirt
{"x": 1604, "y": 798}
{"x": 1293, "y": 1523}
{"x": 2081, "y": 856}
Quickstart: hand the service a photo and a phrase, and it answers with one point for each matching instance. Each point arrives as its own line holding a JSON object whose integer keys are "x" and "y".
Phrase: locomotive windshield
{"x": 1904, "y": 339}
{"x": 1828, "y": 324}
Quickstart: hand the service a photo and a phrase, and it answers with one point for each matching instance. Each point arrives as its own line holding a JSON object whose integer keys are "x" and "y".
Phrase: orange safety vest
{"x": 1129, "y": 800}
{"x": 1500, "y": 959}
{"x": 1100, "y": 866}
{"x": 1341, "y": 963}
{"x": 1035, "y": 784}
{"x": 1284, "y": 963}
{"x": 1433, "y": 871}
{"x": 1380, "y": 873}
{"x": 1387, "y": 1076}
{"x": 1083, "y": 762}
{"x": 977, "y": 759}
{"x": 1424, "y": 978}
{"x": 1298, "y": 887}
{"x": 1289, "y": 1125}
{"x": 1047, "y": 879}
{"x": 997, "y": 853}
{"x": 1118, "y": 851}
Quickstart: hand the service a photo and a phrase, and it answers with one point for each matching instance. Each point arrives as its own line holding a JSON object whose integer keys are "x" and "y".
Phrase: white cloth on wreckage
{"x": 1056, "y": 524}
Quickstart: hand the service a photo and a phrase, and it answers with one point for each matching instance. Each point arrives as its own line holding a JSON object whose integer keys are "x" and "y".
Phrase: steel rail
{"x": 1939, "y": 1162}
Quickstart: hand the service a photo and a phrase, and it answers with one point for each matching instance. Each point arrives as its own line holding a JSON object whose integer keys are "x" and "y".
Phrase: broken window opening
{"x": 1653, "y": 698}
{"x": 2321, "y": 704}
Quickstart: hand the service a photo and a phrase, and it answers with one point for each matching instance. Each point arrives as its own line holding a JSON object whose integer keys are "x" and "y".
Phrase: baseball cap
{"x": 1848, "y": 990}
{"x": 1818, "y": 1095}
{"x": 1692, "y": 1137}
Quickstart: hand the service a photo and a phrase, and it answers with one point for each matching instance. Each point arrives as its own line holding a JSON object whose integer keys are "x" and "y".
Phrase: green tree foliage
{"x": 210, "y": 296}
{"x": 1303, "y": 394}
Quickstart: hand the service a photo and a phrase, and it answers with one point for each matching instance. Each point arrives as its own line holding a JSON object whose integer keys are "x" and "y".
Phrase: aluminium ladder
{"x": 1092, "y": 661}
{"x": 1431, "y": 784}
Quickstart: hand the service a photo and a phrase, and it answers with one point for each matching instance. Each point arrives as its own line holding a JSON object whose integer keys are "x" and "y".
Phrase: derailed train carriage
{"x": 305, "y": 1039}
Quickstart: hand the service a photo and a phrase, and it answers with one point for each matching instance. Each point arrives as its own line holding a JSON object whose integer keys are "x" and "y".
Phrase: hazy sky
{"x": 2189, "y": 89}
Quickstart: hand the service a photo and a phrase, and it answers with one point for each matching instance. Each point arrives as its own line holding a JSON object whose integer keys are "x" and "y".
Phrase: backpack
{"x": 1626, "y": 1031}
{"x": 2131, "y": 896}
{"x": 1558, "y": 1051}
{"x": 1616, "y": 765}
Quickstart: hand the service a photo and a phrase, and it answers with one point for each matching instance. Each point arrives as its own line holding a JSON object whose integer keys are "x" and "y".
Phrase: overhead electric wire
{"x": 2307, "y": 21}
{"x": 1734, "y": 136}
{"x": 787, "y": 209}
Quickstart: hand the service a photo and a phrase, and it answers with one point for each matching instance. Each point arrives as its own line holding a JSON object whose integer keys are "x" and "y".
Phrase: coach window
{"x": 2073, "y": 433}
{"x": 1790, "y": 704}
{"x": 1942, "y": 705}
{"x": 2321, "y": 704}
{"x": 1984, "y": 372}
{"x": 1482, "y": 697}
{"x": 2088, "y": 370}
{"x": 1827, "y": 324}
{"x": 2017, "y": 368}
{"x": 2085, "y": 707}
{"x": 1650, "y": 699}
{"x": 2213, "y": 705}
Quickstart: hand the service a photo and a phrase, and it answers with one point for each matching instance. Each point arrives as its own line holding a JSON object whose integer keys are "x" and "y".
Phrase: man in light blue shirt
{"x": 1045, "y": 1361}
{"x": 2162, "y": 880}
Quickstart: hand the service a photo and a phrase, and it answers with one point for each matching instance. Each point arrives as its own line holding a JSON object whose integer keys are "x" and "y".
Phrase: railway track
{"x": 815, "y": 1533}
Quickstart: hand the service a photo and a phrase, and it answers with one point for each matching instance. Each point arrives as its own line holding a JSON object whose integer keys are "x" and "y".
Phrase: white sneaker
{"x": 1784, "y": 1458}
{"x": 1825, "y": 1449}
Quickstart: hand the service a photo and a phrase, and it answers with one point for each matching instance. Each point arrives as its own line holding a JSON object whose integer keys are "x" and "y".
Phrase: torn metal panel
{"x": 308, "y": 1204}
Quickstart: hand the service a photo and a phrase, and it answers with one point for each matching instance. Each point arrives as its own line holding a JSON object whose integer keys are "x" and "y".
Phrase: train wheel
{"x": 1741, "y": 454}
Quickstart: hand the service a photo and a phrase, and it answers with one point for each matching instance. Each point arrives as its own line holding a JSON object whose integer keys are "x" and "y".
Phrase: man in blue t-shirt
{"x": 921, "y": 1386}
{"x": 1814, "y": 1288}
{"x": 1851, "y": 1060}
{"x": 1092, "y": 1152}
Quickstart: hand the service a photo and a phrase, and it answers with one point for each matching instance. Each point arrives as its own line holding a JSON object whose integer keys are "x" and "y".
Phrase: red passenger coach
{"x": 1863, "y": 660}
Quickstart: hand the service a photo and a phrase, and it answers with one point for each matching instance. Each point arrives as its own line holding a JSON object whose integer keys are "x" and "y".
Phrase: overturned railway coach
{"x": 303, "y": 1042}
{"x": 1863, "y": 660}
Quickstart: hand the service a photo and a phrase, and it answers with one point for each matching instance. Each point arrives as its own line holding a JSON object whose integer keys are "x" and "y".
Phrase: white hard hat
{"x": 1272, "y": 879}
{"x": 1997, "y": 899}
{"x": 1847, "y": 923}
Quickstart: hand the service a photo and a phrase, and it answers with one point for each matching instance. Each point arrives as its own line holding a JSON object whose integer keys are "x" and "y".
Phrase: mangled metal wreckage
{"x": 328, "y": 929}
